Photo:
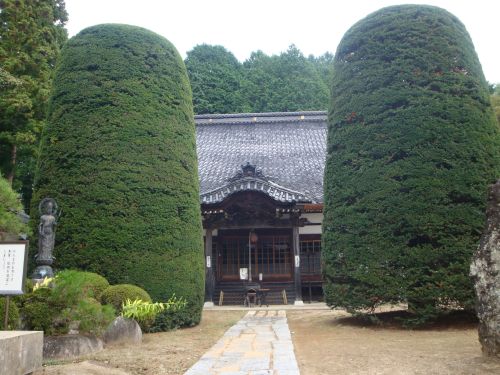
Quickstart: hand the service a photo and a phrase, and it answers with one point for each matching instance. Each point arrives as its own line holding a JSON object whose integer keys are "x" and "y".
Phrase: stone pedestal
{"x": 41, "y": 272}
{"x": 485, "y": 270}
{"x": 20, "y": 352}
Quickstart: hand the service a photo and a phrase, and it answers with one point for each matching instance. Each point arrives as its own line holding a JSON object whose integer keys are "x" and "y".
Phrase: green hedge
{"x": 412, "y": 147}
{"x": 119, "y": 156}
{"x": 115, "y": 295}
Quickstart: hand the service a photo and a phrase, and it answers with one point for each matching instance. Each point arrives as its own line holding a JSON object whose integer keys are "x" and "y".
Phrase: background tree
{"x": 324, "y": 66}
{"x": 118, "y": 154}
{"x": 259, "y": 82}
{"x": 412, "y": 147}
{"x": 285, "y": 82}
{"x": 215, "y": 76}
{"x": 10, "y": 205}
{"x": 31, "y": 34}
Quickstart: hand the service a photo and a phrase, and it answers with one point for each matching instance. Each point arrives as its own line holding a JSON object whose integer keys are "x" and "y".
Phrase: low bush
{"x": 142, "y": 312}
{"x": 69, "y": 297}
{"x": 73, "y": 285}
{"x": 145, "y": 313}
{"x": 176, "y": 316}
{"x": 13, "y": 322}
{"x": 93, "y": 317}
{"x": 116, "y": 295}
{"x": 38, "y": 311}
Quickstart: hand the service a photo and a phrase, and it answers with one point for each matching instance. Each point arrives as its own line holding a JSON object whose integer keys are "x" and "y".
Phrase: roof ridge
{"x": 260, "y": 115}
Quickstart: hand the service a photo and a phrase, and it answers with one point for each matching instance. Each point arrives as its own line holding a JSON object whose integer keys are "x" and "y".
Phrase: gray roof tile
{"x": 289, "y": 149}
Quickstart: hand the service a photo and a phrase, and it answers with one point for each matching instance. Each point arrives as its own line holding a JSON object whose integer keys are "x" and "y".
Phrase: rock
{"x": 73, "y": 327}
{"x": 70, "y": 346}
{"x": 123, "y": 331}
{"x": 485, "y": 270}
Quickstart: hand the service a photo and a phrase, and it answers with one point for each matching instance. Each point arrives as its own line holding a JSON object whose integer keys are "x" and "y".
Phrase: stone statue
{"x": 46, "y": 238}
{"x": 485, "y": 271}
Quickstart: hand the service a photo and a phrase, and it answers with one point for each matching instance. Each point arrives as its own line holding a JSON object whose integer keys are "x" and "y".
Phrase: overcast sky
{"x": 243, "y": 26}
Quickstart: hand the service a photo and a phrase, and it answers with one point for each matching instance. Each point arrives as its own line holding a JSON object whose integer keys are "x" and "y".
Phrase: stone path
{"x": 259, "y": 344}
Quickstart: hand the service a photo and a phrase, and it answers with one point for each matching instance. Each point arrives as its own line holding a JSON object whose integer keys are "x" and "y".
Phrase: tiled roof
{"x": 287, "y": 148}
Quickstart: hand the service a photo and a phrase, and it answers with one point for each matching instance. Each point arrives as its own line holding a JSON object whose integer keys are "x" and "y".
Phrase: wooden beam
{"x": 296, "y": 253}
{"x": 209, "y": 273}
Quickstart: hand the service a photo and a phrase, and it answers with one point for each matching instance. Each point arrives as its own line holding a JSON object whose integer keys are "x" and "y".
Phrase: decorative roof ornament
{"x": 251, "y": 178}
{"x": 247, "y": 170}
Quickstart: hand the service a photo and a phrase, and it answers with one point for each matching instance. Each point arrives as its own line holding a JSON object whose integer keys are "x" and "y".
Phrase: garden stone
{"x": 123, "y": 331}
{"x": 70, "y": 346}
{"x": 485, "y": 270}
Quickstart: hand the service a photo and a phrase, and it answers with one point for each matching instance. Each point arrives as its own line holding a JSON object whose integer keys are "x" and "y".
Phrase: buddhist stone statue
{"x": 46, "y": 238}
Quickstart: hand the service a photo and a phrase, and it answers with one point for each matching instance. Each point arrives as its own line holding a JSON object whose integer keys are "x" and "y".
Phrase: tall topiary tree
{"x": 119, "y": 156}
{"x": 412, "y": 147}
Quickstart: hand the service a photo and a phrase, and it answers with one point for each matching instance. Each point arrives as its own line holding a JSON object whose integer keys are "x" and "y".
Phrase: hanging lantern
{"x": 253, "y": 238}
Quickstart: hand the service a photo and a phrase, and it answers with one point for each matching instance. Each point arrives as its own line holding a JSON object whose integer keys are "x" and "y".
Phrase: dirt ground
{"x": 166, "y": 353}
{"x": 326, "y": 342}
{"x": 332, "y": 342}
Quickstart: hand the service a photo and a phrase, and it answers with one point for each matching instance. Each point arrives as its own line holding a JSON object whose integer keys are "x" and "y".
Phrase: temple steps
{"x": 234, "y": 293}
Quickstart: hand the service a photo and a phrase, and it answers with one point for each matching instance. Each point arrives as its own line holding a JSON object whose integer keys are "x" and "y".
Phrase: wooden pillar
{"x": 209, "y": 273}
{"x": 296, "y": 253}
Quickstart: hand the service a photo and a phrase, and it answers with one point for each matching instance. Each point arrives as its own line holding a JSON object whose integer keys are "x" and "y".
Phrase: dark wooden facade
{"x": 249, "y": 228}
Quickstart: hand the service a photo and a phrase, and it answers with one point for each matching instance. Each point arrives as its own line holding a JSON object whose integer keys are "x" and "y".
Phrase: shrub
{"x": 175, "y": 316}
{"x": 93, "y": 317}
{"x": 38, "y": 312}
{"x": 73, "y": 285}
{"x": 13, "y": 322}
{"x": 116, "y": 295}
{"x": 412, "y": 147}
{"x": 69, "y": 297}
{"x": 145, "y": 313}
{"x": 118, "y": 154}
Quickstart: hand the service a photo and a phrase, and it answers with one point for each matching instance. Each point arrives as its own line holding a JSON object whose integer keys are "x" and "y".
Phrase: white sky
{"x": 243, "y": 26}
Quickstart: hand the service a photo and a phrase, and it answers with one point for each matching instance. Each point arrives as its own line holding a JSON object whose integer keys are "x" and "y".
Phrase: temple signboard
{"x": 13, "y": 265}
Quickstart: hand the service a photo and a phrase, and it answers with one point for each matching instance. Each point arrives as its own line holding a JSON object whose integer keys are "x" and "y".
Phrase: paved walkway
{"x": 259, "y": 344}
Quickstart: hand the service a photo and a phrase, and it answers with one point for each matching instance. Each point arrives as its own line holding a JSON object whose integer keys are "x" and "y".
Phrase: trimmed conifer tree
{"x": 119, "y": 156}
{"x": 412, "y": 147}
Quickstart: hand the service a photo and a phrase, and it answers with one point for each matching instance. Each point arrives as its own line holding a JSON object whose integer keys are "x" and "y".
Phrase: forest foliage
{"x": 31, "y": 35}
{"x": 278, "y": 83}
{"x": 412, "y": 146}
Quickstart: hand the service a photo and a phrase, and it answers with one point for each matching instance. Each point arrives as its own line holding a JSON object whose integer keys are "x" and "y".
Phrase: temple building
{"x": 261, "y": 193}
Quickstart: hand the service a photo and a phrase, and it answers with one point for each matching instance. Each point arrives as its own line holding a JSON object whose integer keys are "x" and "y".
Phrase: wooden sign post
{"x": 13, "y": 268}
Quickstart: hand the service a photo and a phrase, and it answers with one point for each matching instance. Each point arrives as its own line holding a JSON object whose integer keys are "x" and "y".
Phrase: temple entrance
{"x": 271, "y": 255}
{"x": 252, "y": 238}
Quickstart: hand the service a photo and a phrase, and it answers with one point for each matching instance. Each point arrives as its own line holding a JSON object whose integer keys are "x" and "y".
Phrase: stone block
{"x": 20, "y": 352}
{"x": 70, "y": 346}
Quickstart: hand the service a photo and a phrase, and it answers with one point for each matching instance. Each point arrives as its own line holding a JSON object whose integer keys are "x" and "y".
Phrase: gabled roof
{"x": 286, "y": 149}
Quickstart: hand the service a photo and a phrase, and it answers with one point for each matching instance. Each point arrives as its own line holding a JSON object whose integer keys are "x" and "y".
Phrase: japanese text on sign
{"x": 12, "y": 267}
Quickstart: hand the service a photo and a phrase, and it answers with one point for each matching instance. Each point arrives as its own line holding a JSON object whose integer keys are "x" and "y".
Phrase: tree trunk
{"x": 13, "y": 157}
{"x": 485, "y": 270}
